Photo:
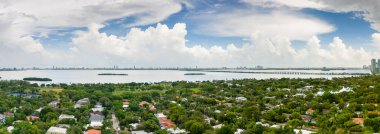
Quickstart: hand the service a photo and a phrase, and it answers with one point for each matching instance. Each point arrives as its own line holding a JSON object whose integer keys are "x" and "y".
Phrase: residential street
{"x": 115, "y": 123}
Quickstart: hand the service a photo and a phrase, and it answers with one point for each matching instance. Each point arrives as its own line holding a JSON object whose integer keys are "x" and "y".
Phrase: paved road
{"x": 115, "y": 123}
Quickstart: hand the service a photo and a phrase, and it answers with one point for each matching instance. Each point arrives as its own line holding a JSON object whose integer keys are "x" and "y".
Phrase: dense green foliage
{"x": 269, "y": 106}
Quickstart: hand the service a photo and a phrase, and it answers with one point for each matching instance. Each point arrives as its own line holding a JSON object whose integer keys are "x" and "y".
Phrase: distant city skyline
{"x": 189, "y": 33}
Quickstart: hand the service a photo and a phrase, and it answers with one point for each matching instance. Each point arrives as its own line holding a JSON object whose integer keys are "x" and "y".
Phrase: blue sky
{"x": 201, "y": 32}
{"x": 355, "y": 31}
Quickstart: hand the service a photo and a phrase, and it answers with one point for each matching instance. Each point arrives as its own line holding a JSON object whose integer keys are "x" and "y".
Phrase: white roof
{"x": 97, "y": 109}
{"x": 57, "y": 130}
{"x": 160, "y": 115}
{"x": 2, "y": 116}
{"x": 263, "y": 124}
{"x": 66, "y": 116}
{"x": 10, "y": 129}
{"x": 241, "y": 98}
{"x": 217, "y": 126}
{"x": 303, "y": 131}
{"x": 176, "y": 131}
{"x": 239, "y": 131}
{"x": 96, "y": 124}
{"x": 139, "y": 132}
{"x": 134, "y": 125}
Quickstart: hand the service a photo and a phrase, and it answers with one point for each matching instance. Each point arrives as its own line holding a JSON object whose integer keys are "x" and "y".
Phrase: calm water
{"x": 91, "y": 76}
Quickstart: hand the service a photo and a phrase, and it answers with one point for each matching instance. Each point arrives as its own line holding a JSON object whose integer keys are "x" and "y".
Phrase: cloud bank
{"x": 269, "y": 34}
{"x": 166, "y": 47}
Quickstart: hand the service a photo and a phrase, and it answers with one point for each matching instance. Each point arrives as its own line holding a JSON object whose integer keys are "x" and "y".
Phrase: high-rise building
{"x": 373, "y": 66}
{"x": 378, "y": 66}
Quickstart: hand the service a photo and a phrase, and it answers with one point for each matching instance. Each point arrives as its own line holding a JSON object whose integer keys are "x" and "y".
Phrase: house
{"x": 32, "y": 118}
{"x": 96, "y": 120}
{"x": 2, "y": 118}
{"x": 63, "y": 125}
{"x": 125, "y": 104}
{"x": 309, "y": 111}
{"x": 152, "y": 108}
{"x": 303, "y": 89}
{"x": 142, "y": 103}
{"x": 239, "y": 131}
{"x": 39, "y": 110}
{"x": 56, "y": 130}
{"x": 165, "y": 123}
{"x": 263, "y": 124}
{"x": 53, "y": 103}
{"x": 217, "y": 126}
{"x": 139, "y": 132}
{"x": 97, "y": 108}
{"x": 81, "y": 102}
{"x": 344, "y": 89}
{"x": 8, "y": 114}
{"x": 299, "y": 95}
{"x": 160, "y": 115}
{"x": 359, "y": 121}
{"x": 10, "y": 129}
{"x": 93, "y": 131}
{"x": 66, "y": 116}
{"x": 306, "y": 118}
{"x": 284, "y": 89}
{"x": 270, "y": 97}
{"x": 134, "y": 125}
{"x": 319, "y": 93}
{"x": 176, "y": 131}
{"x": 303, "y": 131}
{"x": 241, "y": 99}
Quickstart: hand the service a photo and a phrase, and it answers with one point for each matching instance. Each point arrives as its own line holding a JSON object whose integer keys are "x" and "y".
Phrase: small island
{"x": 195, "y": 74}
{"x": 112, "y": 74}
{"x": 36, "y": 79}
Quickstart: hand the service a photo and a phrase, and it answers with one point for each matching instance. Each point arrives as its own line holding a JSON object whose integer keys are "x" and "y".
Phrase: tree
{"x": 226, "y": 129}
{"x": 251, "y": 112}
{"x": 75, "y": 130}
{"x": 197, "y": 128}
{"x": 194, "y": 127}
{"x": 151, "y": 125}
{"x": 25, "y": 128}
{"x": 295, "y": 123}
{"x": 254, "y": 128}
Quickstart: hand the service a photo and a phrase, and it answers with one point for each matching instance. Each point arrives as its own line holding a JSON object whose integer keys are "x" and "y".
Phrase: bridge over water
{"x": 290, "y": 72}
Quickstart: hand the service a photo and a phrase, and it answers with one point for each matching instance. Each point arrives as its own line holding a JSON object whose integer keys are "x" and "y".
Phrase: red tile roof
{"x": 93, "y": 131}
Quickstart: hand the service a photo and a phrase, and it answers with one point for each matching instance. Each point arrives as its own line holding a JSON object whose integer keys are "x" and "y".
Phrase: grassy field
{"x": 195, "y": 90}
{"x": 47, "y": 89}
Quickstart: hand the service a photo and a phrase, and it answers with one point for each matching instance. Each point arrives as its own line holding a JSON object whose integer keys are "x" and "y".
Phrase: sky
{"x": 189, "y": 33}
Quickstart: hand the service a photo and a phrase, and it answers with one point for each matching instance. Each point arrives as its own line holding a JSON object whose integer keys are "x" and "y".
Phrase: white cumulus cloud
{"x": 166, "y": 47}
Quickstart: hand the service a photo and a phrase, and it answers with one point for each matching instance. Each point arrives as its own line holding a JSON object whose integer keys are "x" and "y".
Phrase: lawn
{"x": 195, "y": 90}
{"x": 47, "y": 89}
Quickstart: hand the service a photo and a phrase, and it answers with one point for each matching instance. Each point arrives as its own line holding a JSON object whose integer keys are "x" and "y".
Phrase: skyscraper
{"x": 373, "y": 66}
{"x": 378, "y": 66}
